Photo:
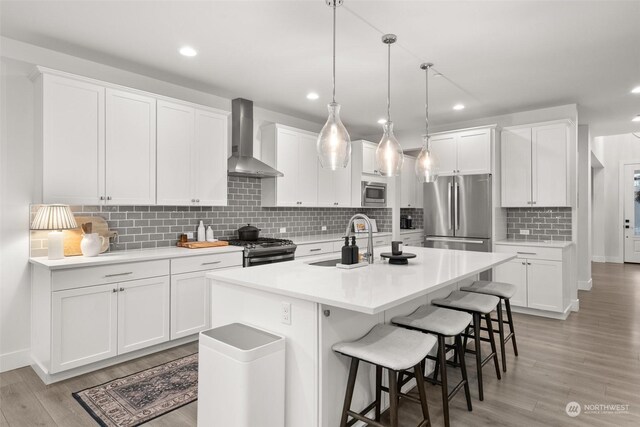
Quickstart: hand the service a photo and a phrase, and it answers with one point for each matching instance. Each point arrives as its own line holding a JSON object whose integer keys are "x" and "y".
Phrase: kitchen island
{"x": 317, "y": 306}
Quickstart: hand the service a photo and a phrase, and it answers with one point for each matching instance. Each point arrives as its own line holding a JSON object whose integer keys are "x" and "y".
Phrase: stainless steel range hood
{"x": 242, "y": 162}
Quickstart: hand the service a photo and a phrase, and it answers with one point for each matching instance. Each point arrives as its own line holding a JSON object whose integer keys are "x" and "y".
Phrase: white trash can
{"x": 240, "y": 377}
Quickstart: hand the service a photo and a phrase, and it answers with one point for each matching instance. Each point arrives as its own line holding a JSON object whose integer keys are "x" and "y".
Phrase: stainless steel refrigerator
{"x": 457, "y": 213}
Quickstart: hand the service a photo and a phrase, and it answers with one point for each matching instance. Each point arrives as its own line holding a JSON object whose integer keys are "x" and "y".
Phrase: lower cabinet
{"x": 98, "y": 322}
{"x": 514, "y": 272}
{"x": 190, "y": 304}
{"x": 544, "y": 290}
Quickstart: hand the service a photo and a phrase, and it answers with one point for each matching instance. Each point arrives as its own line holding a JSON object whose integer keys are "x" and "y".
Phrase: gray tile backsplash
{"x": 417, "y": 215}
{"x": 542, "y": 223}
{"x": 160, "y": 226}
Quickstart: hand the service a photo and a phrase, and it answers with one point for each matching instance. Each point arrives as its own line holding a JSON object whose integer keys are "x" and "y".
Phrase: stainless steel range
{"x": 265, "y": 250}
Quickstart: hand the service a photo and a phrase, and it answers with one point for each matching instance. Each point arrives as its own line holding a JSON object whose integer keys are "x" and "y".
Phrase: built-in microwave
{"x": 374, "y": 194}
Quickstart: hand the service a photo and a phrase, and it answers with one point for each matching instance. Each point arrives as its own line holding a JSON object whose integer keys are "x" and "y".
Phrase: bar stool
{"x": 479, "y": 306}
{"x": 395, "y": 349}
{"x": 443, "y": 323}
{"x": 504, "y": 291}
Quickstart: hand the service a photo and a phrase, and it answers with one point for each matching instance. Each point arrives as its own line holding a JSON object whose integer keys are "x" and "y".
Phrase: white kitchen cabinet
{"x": 544, "y": 290}
{"x": 535, "y": 165}
{"x": 84, "y": 326}
{"x": 412, "y": 238}
{"x": 192, "y": 155}
{"x": 369, "y": 158}
{"x": 130, "y": 159}
{"x": 190, "y": 304}
{"x": 514, "y": 272}
{"x": 143, "y": 313}
{"x": 70, "y": 126}
{"x": 466, "y": 152}
{"x": 292, "y": 152}
{"x": 408, "y": 184}
{"x": 334, "y": 187}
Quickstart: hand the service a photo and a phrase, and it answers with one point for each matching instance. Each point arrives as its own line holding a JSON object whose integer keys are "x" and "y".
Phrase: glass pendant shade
{"x": 389, "y": 156}
{"x": 427, "y": 164}
{"x": 334, "y": 143}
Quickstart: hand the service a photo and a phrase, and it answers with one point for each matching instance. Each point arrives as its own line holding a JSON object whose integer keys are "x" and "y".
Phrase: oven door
{"x": 268, "y": 259}
{"x": 374, "y": 194}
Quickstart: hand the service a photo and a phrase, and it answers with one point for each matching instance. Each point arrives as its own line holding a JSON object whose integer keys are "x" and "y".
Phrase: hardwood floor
{"x": 592, "y": 358}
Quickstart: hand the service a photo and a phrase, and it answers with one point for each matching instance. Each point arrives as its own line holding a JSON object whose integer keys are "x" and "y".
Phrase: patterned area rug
{"x": 135, "y": 399}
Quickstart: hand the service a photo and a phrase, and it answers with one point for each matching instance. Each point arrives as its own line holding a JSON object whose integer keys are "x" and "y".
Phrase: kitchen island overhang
{"x": 326, "y": 305}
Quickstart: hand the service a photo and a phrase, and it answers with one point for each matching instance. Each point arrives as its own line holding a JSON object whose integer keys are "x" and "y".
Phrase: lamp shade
{"x": 54, "y": 217}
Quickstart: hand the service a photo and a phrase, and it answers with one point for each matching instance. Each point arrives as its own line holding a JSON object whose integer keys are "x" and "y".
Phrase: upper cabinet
{"x": 465, "y": 152}
{"x": 192, "y": 155}
{"x": 292, "y": 152}
{"x": 369, "y": 158}
{"x": 106, "y": 144}
{"x": 410, "y": 189}
{"x": 334, "y": 187}
{"x": 535, "y": 165}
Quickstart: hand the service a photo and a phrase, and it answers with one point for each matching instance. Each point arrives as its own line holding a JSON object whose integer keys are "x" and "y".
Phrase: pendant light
{"x": 389, "y": 156}
{"x": 334, "y": 143}
{"x": 427, "y": 165}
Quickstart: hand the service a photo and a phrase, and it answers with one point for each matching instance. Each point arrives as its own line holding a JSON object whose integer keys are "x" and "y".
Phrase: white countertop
{"x": 535, "y": 243}
{"x": 129, "y": 256}
{"x": 319, "y": 238}
{"x": 370, "y": 289}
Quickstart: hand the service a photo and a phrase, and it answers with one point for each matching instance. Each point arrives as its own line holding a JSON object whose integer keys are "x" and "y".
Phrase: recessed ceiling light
{"x": 636, "y": 118}
{"x": 188, "y": 51}
{"x": 458, "y": 107}
{"x": 382, "y": 121}
{"x": 635, "y": 89}
{"x": 312, "y": 96}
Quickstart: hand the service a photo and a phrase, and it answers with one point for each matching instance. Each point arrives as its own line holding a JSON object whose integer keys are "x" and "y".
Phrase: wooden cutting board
{"x": 199, "y": 245}
{"x": 72, "y": 238}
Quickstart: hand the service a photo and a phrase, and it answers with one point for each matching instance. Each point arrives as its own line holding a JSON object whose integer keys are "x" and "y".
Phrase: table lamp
{"x": 55, "y": 218}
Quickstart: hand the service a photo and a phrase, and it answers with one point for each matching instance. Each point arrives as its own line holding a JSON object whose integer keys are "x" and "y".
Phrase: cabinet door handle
{"x": 121, "y": 289}
{"x": 526, "y": 253}
{"x": 108, "y": 197}
{"x": 197, "y": 200}
{"x": 533, "y": 203}
{"x": 114, "y": 290}
{"x": 193, "y": 200}
{"x": 528, "y": 263}
{"x": 524, "y": 263}
{"x": 119, "y": 274}
{"x": 315, "y": 250}
{"x": 102, "y": 197}
{"x": 211, "y": 263}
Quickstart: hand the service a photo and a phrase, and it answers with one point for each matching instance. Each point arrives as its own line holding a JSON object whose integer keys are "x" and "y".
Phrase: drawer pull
{"x": 315, "y": 250}
{"x": 121, "y": 289}
{"x": 119, "y": 274}
{"x": 379, "y": 241}
{"x": 526, "y": 253}
{"x": 211, "y": 263}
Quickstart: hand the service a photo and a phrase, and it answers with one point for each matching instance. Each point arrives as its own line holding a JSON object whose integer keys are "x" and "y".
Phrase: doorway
{"x": 631, "y": 195}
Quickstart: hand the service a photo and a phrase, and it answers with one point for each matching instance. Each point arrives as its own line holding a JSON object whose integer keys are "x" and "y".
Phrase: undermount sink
{"x": 326, "y": 263}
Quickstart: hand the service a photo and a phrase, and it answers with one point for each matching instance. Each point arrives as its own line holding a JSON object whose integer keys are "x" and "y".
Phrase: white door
{"x": 174, "y": 153}
{"x": 73, "y": 141}
{"x": 444, "y": 147}
{"x": 307, "y": 170}
{"x": 549, "y": 165}
{"x": 342, "y": 185}
{"x": 369, "y": 158}
{"x": 408, "y": 183}
{"x": 210, "y": 159}
{"x": 474, "y": 152}
{"x": 516, "y": 168}
{"x": 287, "y": 163}
{"x": 631, "y": 191}
{"x": 544, "y": 285}
{"x": 514, "y": 272}
{"x": 190, "y": 304}
{"x": 143, "y": 313}
{"x": 84, "y": 326}
{"x": 130, "y": 148}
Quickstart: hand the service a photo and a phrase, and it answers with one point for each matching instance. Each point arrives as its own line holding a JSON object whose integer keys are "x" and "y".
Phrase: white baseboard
{"x": 598, "y": 258}
{"x": 575, "y": 304}
{"x": 543, "y": 313}
{"x": 15, "y": 360}
{"x": 585, "y": 285}
{"x": 616, "y": 259}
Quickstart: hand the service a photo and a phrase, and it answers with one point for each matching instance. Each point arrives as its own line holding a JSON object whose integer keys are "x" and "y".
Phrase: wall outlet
{"x": 285, "y": 315}
{"x": 525, "y": 232}
{"x": 283, "y": 229}
{"x": 189, "y": 234}
{"x": 324, "y": 228}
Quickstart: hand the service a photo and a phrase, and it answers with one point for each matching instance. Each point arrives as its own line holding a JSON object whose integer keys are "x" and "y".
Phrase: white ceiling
{"x": 498, "y": 57}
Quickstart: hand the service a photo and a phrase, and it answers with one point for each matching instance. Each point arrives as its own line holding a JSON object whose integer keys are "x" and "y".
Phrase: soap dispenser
{"x": 210, "y": 234}
{"x": 347, "y": 255}
{"x": 355, "y": 251}
{"x": 201, "y": 233}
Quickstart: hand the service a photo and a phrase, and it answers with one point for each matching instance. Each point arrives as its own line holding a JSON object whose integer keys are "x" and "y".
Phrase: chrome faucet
{"x": 369, "y": 254}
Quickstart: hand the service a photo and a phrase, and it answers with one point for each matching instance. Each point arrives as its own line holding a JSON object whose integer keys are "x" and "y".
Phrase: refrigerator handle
{"x": 456, "y": 197}
{"x": 451, "y": 211}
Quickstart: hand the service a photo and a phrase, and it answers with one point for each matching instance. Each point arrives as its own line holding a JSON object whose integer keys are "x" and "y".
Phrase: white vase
{"x": 91, "y": 244}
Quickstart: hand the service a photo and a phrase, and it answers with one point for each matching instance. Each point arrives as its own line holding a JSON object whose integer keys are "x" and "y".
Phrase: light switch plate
{"x": 525, "y": 232}
{"x": 324, "y": 228}
{"x": 283, "y": 229}
{"x": 189, "y": 234}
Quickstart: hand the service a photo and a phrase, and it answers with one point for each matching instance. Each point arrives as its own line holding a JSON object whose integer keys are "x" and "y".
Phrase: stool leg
{"x": 393, "y": 397}
{"x": 436, "y": 369}
{"x": 507, "y": 304}
{"x": 351, "y": 383}
{"x": 492, "y": 341}
{"x": 423, "y": 394}
{"x": 442, "y": 358}
{"x": 466, "y": 337}
{"x": 501, "y": 335}
{"x": 476, "y": 338}
{"x": 378, "y": 392}
{"x": 463, "y": 370}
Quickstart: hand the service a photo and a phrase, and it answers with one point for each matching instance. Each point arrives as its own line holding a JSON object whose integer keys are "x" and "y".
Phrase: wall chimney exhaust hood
{"x": 242, "y": 162}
